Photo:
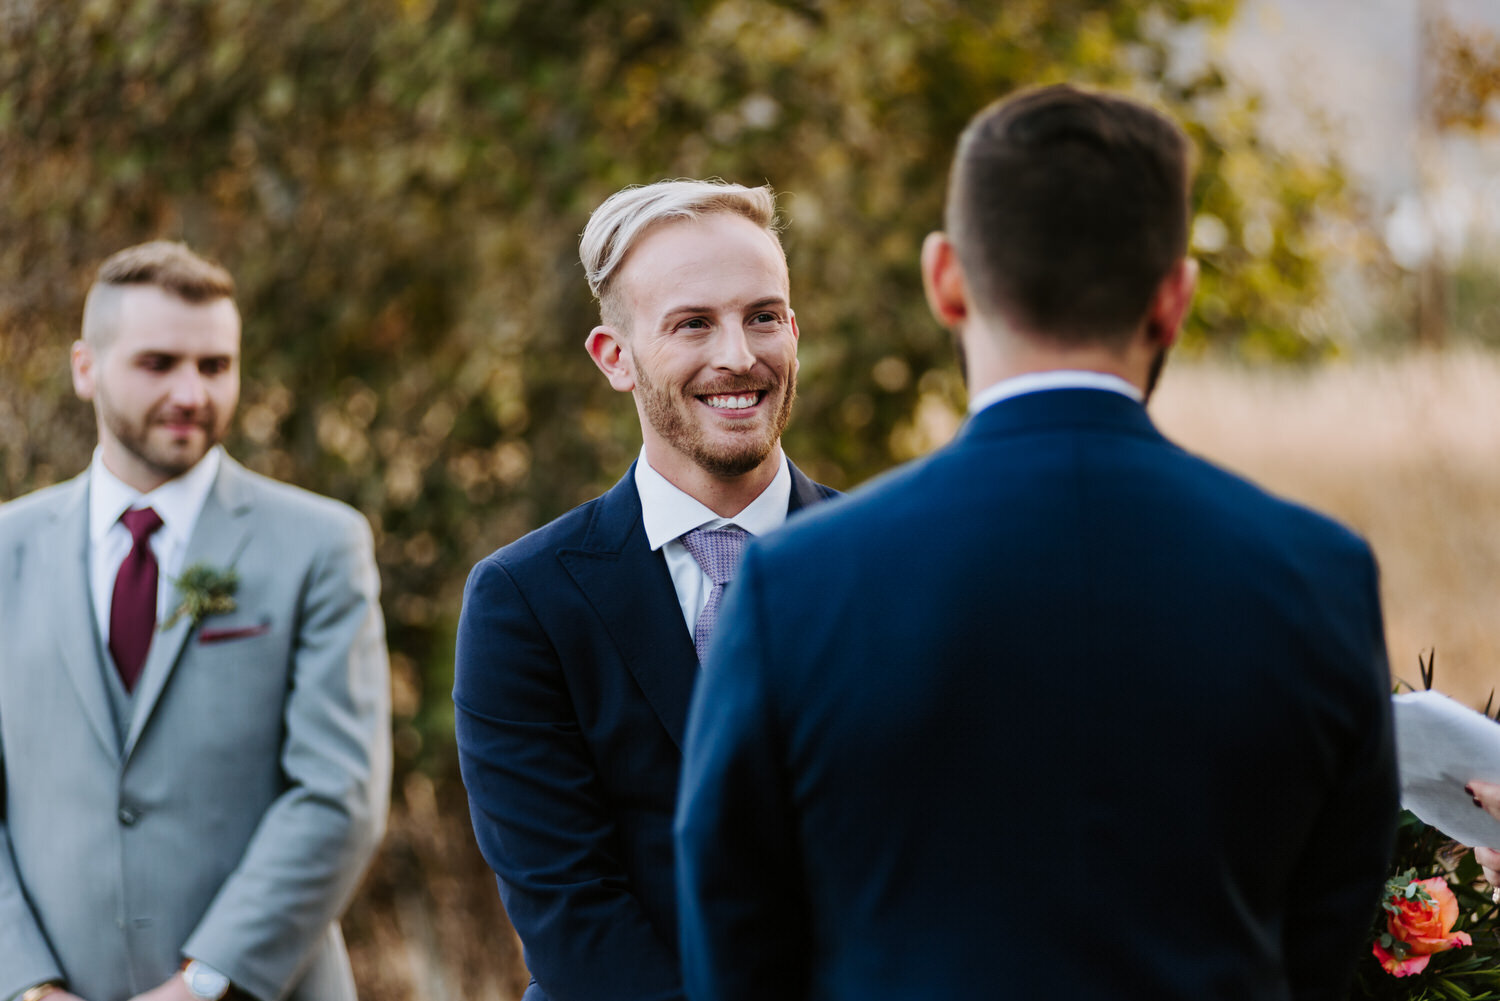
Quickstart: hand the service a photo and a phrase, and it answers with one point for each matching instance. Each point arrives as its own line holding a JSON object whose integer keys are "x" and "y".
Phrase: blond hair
{"x": 618, "y": 225}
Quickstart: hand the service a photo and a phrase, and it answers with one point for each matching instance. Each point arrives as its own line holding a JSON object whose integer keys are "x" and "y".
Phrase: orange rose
{"x": 1424, "y": 926}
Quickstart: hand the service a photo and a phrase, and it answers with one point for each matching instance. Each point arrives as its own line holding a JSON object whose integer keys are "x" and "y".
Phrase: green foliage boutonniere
{"x": 205, "y": 590}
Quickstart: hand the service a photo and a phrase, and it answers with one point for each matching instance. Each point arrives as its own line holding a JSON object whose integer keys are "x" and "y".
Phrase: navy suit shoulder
{"x": 566, "y": 530}
{"x": 607, "y": 521}
{"x": 1021, "y": 429}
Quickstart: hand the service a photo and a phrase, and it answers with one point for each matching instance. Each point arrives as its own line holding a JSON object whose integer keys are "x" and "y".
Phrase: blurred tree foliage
{"x": 1464, "y": 64}
{"x": 398, "y": 186}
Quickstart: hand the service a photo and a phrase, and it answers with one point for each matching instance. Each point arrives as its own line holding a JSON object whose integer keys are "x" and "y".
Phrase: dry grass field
{"x": 1406, "y": 451}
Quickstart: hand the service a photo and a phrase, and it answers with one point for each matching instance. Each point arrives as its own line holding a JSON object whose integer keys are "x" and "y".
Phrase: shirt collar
{"x": 1035, "y": 382}
{"x": 668, "y": 511}
{"x": 177, "y": 502}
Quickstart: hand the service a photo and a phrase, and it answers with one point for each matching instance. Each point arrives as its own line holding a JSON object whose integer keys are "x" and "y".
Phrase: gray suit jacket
{"x": 232, "y": 816}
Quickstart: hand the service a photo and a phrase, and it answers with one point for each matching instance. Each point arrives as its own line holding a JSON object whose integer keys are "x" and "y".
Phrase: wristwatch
{"x": 204, "y": 982}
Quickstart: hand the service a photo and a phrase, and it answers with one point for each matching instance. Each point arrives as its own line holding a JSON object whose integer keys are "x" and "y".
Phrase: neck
{"x": 994, "y": 356}
{"x": 130, "y": 471}
{"x": 725, "y": 496}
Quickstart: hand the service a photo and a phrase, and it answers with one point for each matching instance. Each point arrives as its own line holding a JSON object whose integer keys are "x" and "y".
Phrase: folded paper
{"x": 1441, "y": 746}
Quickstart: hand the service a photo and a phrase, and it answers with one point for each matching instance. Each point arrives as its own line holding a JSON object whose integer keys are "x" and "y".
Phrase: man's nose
{"x": 732, "y": 349}
{"x": 188, "y": 389}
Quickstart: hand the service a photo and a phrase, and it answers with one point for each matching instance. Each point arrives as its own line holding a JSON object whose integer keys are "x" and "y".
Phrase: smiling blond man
{"x": 579, "y": 644}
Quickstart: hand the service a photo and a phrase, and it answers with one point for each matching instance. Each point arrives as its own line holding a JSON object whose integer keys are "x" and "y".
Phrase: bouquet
{"x": 1436, "y": 934}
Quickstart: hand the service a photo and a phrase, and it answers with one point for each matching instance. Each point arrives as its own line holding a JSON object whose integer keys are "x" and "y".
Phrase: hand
{"x": 1487, "y": 795}
{"x": 62, "y": 995}
{"x": 175, "y": 989}
{"x": 1489, "y": 861}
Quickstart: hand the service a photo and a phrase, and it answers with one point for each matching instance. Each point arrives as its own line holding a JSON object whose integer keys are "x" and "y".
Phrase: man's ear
{"x": 82, "y": 360}
{"x": 943, "y": 278}
{"x": 1169, "y": 307}
{"x": 796, "y": 336}
{"x": 607, "y": 347}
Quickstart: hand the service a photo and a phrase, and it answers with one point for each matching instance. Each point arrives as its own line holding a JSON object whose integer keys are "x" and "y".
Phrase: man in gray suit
{"x": 194, "y": 742}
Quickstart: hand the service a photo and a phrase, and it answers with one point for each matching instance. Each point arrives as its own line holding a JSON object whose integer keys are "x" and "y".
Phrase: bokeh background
{"x": 398, "y": 187}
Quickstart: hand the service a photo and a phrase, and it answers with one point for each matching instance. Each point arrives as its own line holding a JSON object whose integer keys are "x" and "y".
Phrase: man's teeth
{"x": 732, "y": 402}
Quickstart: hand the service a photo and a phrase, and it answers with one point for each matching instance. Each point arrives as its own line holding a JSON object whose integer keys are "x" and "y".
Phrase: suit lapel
{"x": 804, "y": 491}
{"x": 77, "y": 632}
{"x": 218, "y": 538}
{"x": 631, "y": 590}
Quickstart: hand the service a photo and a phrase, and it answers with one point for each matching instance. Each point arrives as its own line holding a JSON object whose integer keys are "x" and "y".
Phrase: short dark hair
{"x": 1067, "y": 208}
{"x": 172, "y": 267}
{"x": 169, "y": 266}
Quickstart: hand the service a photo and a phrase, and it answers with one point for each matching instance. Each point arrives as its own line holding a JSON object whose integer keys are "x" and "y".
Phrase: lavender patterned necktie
{"x": 717, "y": 551}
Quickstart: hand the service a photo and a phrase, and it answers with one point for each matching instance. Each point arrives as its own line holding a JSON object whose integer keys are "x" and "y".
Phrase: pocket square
{"x": 232, "y": 633}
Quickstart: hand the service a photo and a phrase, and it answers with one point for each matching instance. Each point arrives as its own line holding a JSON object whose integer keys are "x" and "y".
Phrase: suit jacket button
{"x": 128, "y": 816}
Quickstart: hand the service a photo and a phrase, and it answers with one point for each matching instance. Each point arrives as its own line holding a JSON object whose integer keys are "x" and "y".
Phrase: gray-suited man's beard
{"x": 135, "y": 438}
{"x": 667, "y": 414}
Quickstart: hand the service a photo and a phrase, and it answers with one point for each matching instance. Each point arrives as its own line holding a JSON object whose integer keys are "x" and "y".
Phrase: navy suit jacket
{"x": 1060, "y": 711}
{"x": 573, "y": 678}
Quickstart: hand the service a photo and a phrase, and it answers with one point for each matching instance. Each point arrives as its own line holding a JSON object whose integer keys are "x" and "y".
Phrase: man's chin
{"x": 735, "y": 458}
{"x": 178, "y": 456}
{"x": 735, "y": 447}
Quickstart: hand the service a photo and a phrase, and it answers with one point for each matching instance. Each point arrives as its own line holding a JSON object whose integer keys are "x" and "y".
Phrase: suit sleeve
{"x": 25, "y": 958}
{"x": 1335, "y": 890}
{"x": 539, "y": 810}
{"x": 742, "y": 909}
{"x": 314, "y": 842}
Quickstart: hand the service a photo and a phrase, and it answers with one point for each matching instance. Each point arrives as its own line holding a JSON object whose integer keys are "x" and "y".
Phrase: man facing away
{"x": 194, "y": 732}
{"x": 1059, "y": 711}
{"x": 576, "y": 647}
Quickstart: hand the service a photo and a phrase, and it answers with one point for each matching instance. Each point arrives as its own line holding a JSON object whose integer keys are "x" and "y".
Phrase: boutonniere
{"x": 204, "y": 590}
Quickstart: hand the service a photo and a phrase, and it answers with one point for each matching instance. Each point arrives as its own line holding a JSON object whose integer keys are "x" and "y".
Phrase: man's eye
{"x": 155, "y": 363}
{"x": 765, "y": 318}
{"x": 214, "y": 366}
{"x": 696, "y": 323}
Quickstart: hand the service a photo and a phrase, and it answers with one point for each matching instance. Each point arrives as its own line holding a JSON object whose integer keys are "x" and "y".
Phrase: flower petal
{"x": 1400, "y": 967}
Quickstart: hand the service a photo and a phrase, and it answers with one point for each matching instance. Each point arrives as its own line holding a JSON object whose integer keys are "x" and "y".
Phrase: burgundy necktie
{"x": 717, "y": 551}
{"x": 132, "y": 608}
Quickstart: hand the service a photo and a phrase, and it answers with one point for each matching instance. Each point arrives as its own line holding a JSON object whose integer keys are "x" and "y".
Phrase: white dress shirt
{"x": 669, "y": 513}
{"x": 177, "y": 502}
{"x": 1036, "y": 382}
